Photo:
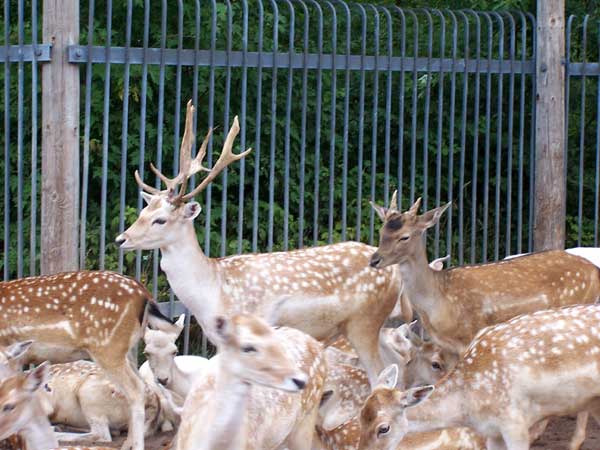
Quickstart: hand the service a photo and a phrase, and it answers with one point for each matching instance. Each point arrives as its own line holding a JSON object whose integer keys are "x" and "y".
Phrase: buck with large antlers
{"x": 454, "y": 304}
{"x": 511, "y": 377}
{"x": 261, "y": 391}
{"x": 323, "y": 291}
{"x": 101, "y": 313}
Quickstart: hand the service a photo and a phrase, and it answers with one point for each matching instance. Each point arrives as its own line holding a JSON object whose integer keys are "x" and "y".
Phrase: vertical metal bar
{"x": 255, "y": 199}
{"x": 6, "y": 141}
{"x": 597, "y": 171}
{"x": 509, "y": 146}
{"x": 124, "y": 127}
{"x": 425, "y": 194}
{"x": 498, "y": 138}
{"x": 463, "y": 144}
{"x": 374, "y": 123}
{"x": 582, "y": 132}
{"x": 475, "y": 156}
{"x": 451, "y": 131}
{"x": 567, "y": 97}
{"x": 240, "y": 225}
{"x": 401, "y": 106}
{"x": 288, "y": 117}
{"x": 143, "y": 93}
{"x": 332, "y": 121}
{"x": 226, "y": 128}
{"x": 34, "y": 142}
{"x": 521, "y": 136}
{"x": 532, "y": 140}
{"x": 105, "y": 136}
{"x": 20, "y": 88}
{"x": 348, "y": 49}
{"x": 486, "y": 158}
{"x": 439, "y": 132}
{"x": 273, "y": 132}
{"x": 414, "y": 113}
{"x": 361, "y": 118}
{"x": 305, "y": 47}
{"x": 388, "y": 107}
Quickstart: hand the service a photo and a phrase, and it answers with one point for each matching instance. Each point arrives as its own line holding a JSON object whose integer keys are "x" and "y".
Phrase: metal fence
{"x": 341, "y": 103}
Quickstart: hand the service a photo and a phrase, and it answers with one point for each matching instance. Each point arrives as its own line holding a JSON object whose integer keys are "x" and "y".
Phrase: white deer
{"x": 261, "y": 391}
{"x": 511, "y": 377}
{"x": 97, "y": 312}
{"x": 323, "y": 291}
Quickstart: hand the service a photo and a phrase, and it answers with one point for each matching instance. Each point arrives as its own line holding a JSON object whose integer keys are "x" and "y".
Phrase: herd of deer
{"x": 304, "y": 360}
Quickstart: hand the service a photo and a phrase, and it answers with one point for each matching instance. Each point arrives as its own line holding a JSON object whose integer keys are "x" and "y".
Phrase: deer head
{"x": 400, "y": 235}
{"x": 161, "y": 350}
{"x": 17, "y": 399}
{"x": 253, "y": 352}
{"x": 168, "y": 211}
{"x": 382, "y": 419}
{"x": 11, "y": 357}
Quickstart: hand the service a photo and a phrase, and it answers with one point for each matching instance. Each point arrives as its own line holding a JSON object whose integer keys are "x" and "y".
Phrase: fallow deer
{"x": 512, "y": 376}
{"x": 249, "y": 396}
{"x": 21, "y": 411}
{"x": 79, "y": 395}
{"x": 323, "y": 291}
{"x": 454, "y": 304}
{"x": 101, "y": 313}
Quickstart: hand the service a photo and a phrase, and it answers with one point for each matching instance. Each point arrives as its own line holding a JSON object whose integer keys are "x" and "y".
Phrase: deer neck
{"x": 38, "y": 434}
{"x": 443, "y": 409}
{"x": 180, "y": 383}
{"x": 193, "y": 276}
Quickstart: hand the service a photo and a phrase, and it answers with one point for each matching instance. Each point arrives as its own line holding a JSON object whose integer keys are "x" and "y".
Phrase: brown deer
{"x": 101, "y": 313}
{"x": 323, "y": 291}
{"x": 454, "y": 304}
{"x": 261, "y": 391}
{"x": 510, "y": 378}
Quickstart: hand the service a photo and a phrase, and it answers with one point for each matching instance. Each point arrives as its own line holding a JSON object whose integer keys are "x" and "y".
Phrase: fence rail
{"x": 341, "y": 103}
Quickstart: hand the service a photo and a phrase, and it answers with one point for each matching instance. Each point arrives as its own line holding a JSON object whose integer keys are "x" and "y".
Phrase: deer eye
{"x": 383, "y": 429}
{"x": 404, "y": 238}
{"x": 159, "y": 221}
{"x": 436, "y": 366}
{"x": 8, "y": 407}
{"x": 248, "y": 349}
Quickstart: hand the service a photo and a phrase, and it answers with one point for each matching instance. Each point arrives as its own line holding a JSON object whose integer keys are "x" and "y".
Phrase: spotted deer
{"x": 261, "y": 391}
{"x": 323, "y": 291}
{"x": 98, "y": 312}
{"x": 480, "y": 295}
{"x": 511, "y": 377}
{"x": 21, "y": 411}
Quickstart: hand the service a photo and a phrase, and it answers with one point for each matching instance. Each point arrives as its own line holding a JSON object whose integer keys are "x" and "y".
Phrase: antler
{"x": 188, "y": 166}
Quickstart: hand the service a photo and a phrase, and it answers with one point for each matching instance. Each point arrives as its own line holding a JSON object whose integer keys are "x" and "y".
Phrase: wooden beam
{"x": 60, "y": 140}
{"x": 550, "y": 187}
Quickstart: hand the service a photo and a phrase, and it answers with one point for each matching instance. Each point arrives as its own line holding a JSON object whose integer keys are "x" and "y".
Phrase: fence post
{"x": 550, "y": 187}
{"x": 60, "y": 139}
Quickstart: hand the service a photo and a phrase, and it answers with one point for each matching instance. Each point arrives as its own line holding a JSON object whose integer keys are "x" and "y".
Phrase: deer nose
{"x": 375, "y": 260}
{"x": 163, "y": 381}
{"x": 299, "y": 383}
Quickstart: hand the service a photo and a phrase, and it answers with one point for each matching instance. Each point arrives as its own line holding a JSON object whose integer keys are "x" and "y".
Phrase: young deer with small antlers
{"x": 249, "y": 397}
{"x": 323, "y": 291}
{"x": 100, "y": 313}
{"x": 454, "y": 304}
{"x": 511, "y": 377}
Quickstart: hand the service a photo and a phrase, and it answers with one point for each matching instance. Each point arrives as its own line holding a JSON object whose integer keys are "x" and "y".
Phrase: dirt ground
{"x": 556, "y": 437}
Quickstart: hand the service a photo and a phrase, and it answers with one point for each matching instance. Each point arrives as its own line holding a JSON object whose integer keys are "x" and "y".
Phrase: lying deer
{"x": 79, "y": 395}
{"x": 323, "y": 291}
{"x": 100, "y": 313}
{"x": 511, "y": 377}
{"x": 476, "y": 296}
{"x": 249, "y": 396}
{"x": 23, "y": 413}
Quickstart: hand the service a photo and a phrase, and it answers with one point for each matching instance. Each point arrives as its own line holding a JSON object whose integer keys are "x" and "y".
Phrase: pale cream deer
{"x": 261, "y": 391}
{"x": 100, "y": 313}
{"x": 511, "y": 377}
{"x": 21, "y": 411}
{"x": 455, "y": 304}
{"x": 324, "y": 291}
{"x": 79, "y": 395}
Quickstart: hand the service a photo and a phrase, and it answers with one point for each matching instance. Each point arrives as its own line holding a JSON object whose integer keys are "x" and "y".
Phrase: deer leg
{"x": 516, "y": 438}
{"x": 580, "y": 428}
{"x": 495, "y": 443}
{"x": 99, "y": 432}
{"x": 537, "y": 430}
{"x": 365, "y": 340}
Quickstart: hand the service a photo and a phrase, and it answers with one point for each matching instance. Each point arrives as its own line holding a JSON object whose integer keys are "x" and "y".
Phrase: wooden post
{"x": 60, "y": 140}
{"x": 550, "y": 195}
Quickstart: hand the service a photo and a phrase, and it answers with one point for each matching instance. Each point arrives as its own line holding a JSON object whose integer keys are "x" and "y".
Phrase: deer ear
{"x": 147, "y": 197}
{"x": 431, "y": 217}
{"x": 180, "y": 321}
{"x": 191, "y": 210}
{"x": 388, "y": 377}
{"x": 416, "y": 395}
{"x": 17, "y": 349}
{"x": 380, "y": 210}
{"x": 37, "y": 377}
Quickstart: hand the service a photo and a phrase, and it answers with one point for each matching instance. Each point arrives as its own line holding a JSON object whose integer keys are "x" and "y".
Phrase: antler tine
{"x": 226, "y": 158}
{"x": 185, "y": 156}
{"x": 144, "y": 186}
{"x": 394, "y": 202}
